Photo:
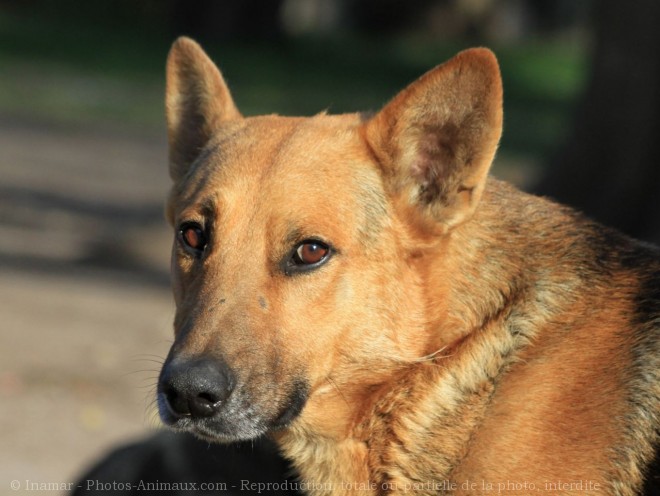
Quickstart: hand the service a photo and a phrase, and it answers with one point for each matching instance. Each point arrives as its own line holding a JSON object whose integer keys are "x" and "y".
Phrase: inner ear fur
{"x": 436, "y": 140}
{"x": 197, "y": 102}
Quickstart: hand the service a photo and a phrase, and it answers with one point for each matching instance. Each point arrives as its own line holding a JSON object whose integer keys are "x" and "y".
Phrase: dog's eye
{"x": 307, "y": 255}
{"x": 193, "y": 237}
{"x": 311, "y": 252}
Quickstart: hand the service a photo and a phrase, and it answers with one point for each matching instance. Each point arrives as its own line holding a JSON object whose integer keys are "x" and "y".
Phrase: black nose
{"x": 196, "y": 388}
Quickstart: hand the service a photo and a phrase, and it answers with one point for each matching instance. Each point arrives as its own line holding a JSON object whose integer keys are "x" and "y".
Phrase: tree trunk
{"x": 610, "y": 168}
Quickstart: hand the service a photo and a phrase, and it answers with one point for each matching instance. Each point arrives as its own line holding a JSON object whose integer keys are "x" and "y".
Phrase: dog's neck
{"x": 479, "y": 318}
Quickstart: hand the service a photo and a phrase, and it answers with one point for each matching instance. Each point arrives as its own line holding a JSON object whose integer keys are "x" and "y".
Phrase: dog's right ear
{"x": 436, "y": 139}
{"x": 197, "y": 102}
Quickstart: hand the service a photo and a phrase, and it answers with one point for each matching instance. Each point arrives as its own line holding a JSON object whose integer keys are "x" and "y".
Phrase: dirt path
{"x": 85, "y": 308}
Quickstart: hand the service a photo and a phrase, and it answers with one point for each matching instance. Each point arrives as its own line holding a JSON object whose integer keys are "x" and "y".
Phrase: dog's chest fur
{"x": 540, "y": 339}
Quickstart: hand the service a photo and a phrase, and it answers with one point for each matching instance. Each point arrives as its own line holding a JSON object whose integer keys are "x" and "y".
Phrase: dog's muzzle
{"x": 201, "y": 395}
{"x": 195, "y": 388}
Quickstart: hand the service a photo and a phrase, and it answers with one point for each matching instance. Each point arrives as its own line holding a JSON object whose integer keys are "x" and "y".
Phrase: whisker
{"x": 432, "y": 356}
{"x": 334, "y": 384}
{"x": 148, "y": 360}
{"x": 151, "y": 415}
{"x": 155, "y": 373}
{"x": 151, "y": 386}
{"x": 148, "y": 355}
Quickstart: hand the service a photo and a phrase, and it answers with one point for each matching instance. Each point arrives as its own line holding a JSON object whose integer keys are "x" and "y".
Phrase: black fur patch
{"x": 295, "y": 404}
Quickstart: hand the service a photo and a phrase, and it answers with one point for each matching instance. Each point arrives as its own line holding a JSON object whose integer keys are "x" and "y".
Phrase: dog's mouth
{"x": 204, "y": 399}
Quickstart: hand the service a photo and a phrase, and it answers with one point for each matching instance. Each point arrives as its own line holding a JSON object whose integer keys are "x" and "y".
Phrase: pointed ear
{"x": 197, "y": 102}
{"x": 437, "y": 138}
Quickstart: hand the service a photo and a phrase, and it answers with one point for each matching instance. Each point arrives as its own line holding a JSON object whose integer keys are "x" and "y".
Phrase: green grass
{"x": 76, "y": 72}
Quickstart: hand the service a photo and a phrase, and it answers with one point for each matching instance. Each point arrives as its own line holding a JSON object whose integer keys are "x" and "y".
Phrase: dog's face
{"x": 273, "y": 266}
{"x": 295, "y": 238}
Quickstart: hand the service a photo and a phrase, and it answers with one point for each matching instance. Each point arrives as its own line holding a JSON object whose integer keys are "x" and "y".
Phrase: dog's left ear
{"x": 197, "y": 102}
{"x": 435, "y": 140}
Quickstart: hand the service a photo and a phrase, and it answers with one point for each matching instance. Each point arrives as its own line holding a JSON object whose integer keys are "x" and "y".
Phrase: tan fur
{"x": 464, "y": 333}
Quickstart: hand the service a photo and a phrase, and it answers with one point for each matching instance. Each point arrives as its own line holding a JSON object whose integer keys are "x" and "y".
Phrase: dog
{"x": 359, "y": 288}
{"x": 170, "y": 463}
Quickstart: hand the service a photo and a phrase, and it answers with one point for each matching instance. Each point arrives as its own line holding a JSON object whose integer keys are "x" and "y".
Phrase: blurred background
{"x": 85, "y": 308}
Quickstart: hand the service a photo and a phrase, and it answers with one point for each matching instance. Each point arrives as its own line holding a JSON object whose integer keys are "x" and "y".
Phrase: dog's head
{"x": 296, "y": 242}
